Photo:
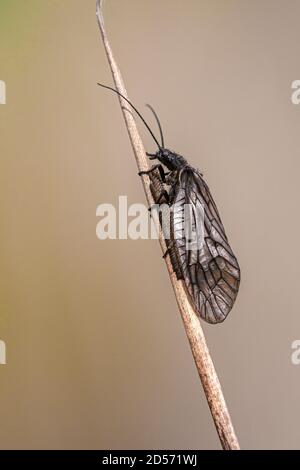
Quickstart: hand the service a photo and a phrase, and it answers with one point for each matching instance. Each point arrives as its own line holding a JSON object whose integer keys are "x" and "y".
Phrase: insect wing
{"x": 210, "y": 269}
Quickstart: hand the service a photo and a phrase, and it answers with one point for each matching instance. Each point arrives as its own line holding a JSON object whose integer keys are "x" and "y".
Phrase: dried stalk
{"x": 204, "y": 363}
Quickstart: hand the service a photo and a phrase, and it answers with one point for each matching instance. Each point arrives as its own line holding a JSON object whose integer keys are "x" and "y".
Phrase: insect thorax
{"x": 173, "y": 161}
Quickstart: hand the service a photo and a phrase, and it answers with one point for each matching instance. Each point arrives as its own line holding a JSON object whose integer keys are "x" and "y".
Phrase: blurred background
{"x": 97, "y": 355}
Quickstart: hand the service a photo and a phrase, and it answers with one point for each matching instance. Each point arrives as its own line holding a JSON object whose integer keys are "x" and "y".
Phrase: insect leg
{"x": 163, "y": 197}
{"x": 157, "y": 184}
{"x": 152, "y": 169}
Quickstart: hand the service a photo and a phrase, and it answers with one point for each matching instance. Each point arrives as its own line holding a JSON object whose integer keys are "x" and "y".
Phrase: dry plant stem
{"x": 204, "y": 363}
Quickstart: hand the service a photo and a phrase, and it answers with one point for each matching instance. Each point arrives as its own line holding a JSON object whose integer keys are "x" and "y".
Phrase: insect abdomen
{"x": 158, "y": 190}
{"x": 174, "y": 260}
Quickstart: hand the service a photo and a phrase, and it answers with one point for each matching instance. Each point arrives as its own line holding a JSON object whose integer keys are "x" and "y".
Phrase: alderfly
{"x": 208, "y": 267}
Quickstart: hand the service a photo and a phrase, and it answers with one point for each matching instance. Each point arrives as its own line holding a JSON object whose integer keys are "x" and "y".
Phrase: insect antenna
{"x": 133, "y": 107}
{"x": 159, "y": 125}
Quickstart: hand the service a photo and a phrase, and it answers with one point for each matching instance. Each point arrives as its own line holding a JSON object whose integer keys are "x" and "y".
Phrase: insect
{"x": 208, "y": 267}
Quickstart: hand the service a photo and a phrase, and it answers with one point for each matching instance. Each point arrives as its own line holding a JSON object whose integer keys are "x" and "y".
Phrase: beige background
{"x": 97, "y": 355}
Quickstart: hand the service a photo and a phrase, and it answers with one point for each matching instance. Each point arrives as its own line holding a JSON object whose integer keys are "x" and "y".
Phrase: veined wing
{"x": 210, "y": 269}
